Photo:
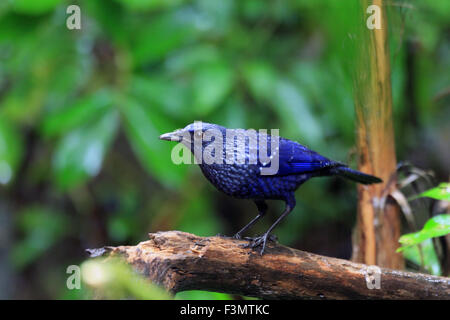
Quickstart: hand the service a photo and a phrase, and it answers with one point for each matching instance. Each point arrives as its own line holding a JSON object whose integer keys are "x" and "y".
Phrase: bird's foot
{"x": 260, "y": 241}
{"x": 237, "y": 236}
{"x": 270, "y": 237}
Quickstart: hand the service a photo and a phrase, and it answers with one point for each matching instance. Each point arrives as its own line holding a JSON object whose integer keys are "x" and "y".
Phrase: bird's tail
{"x": 355, "y": 175}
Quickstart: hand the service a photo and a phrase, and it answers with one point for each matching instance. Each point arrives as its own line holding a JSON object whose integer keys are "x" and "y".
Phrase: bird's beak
{"x": 171, "y": 136}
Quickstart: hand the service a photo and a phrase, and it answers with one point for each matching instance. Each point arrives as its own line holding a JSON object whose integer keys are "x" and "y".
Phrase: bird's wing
{"x": 297, "y": 159}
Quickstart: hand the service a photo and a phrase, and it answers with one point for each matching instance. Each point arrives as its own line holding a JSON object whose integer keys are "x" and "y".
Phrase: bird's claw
{"x": 237, "y": 236}
{"x": 260, "y": 241}
{"x": 270, "y": 237}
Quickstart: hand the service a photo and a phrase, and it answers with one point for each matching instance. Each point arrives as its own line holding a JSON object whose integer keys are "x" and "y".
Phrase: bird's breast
{"x": 245, "y": 181}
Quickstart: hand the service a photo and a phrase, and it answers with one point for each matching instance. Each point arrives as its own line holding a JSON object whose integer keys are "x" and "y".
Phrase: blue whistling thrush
{"x": 231, "y": 159}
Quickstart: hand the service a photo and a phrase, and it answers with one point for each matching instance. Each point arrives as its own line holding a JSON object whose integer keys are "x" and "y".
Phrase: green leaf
{"x": 293, "y": 109}
{"x": 286, "y": 99}
{"x": 149, "y": 4}
{"x": 79, "y": 155}
{"x": 42, "y": 77}
{"x": 211, "y": 84}
{"x": 143, "y": 127}
{"x": 155, "y": 40}
{"x": 261, "y": 78}
{"x": 80, "y": 112}
{"x": 11, "y": 150}
{"x": 427, "y": 257}
{"x": 168, "y": 96}
{"x": 435, "y": 227}
{"x": 187, "y": 60}
{"x": 34, "y": 7}
{"x": 441, "y": 192}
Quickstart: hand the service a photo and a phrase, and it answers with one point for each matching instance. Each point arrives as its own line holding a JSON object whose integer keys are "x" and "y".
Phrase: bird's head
{"x": 196, "y": 131}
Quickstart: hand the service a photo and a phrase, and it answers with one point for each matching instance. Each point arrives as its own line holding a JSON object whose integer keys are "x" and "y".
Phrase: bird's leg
{"x": 262, "y": 240}
{"x": 262, "y": 209}
{"x": 256, "y": 241}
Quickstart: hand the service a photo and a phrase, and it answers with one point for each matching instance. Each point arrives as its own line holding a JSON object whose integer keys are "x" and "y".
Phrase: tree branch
{"x": 181, "y": 261}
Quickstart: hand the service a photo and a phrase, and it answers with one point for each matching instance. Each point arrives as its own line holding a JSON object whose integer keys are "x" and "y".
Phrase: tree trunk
{"x": 378, "y": 220}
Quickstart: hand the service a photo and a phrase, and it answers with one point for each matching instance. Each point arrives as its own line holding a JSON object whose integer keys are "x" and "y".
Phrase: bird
{"x": 233, "y": 161}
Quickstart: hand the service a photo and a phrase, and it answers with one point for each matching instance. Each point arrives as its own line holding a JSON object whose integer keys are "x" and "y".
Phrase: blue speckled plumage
{"x": 244, "y": 179}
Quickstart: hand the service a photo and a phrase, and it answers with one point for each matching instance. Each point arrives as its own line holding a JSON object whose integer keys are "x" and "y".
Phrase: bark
{"x": 181, "y": 261}
{"x": 378, "y": 220}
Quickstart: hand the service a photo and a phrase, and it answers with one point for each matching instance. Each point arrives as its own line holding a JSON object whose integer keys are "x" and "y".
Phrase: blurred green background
{"x": 81, "y": 111}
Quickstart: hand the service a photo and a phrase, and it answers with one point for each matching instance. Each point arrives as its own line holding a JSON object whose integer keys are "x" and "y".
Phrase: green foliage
{"x": 417, "y": 246}
{"x": 211, "y": 84}
{"x": 441, "y": 192}
{"x": 10, "y": 151}
{"x": 148, "y": 4}
{"x": 435, "y": 227}
{"x": 113, "y": 279}
{"x": 79, "y": 155}
{"x": 160, "y": 36}
{"x": 143, "y": 129}
{"x": 42, "y": 228}
{"x": 202, "y": 295}
{"x": 81, "y": 111}
{"x": 425, "y": 256}
{"x": 34, "y": 7}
